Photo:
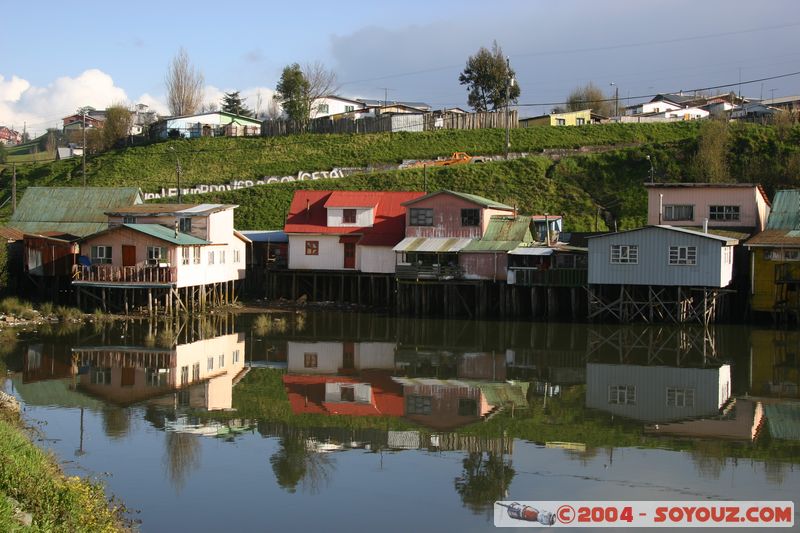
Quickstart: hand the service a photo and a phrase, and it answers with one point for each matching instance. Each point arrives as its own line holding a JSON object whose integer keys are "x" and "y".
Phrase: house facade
{"x": 212, "y": 124}
{"x": 183, "y": 245}
{"x": 735, "y": 206}
{"x": 661, "y": 256}
{"x": 9, "y": 137}
{"x": 335, "y": 105}
{"x": 570, "y": 118}
{"x": 345, "y": 230}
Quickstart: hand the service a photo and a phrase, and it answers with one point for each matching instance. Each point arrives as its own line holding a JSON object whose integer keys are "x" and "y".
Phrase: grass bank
{"x": 57, "y": 502}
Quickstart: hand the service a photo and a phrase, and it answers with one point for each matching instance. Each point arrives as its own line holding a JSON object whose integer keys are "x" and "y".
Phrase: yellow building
{"x": 570, "y": 118}
{"x": 775, "y": 258}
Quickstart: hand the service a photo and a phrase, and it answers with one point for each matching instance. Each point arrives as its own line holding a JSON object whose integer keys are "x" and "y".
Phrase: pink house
{"x": 169, "y": 247}
{"x": 736, "y": 206}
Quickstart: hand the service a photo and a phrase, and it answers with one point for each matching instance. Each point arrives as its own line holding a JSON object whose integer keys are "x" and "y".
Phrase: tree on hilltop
{"x": 486, "y": 76}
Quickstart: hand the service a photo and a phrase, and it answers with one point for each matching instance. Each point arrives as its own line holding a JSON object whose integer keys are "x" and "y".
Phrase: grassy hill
{"x": 574, "y": 185}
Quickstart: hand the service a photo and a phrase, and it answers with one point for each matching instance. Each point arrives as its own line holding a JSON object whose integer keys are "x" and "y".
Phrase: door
{"x": 349, "y": 255}
{"x": 128, "y": 256}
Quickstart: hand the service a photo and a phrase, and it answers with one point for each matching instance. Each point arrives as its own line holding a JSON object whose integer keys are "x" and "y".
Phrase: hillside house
{"x": 186, "y": 251}
{"x": 568, "y": 118}
{"x": 333, "y": 105}
{"x": 775, "y": 258}
{"x": 9, "y": 137}
{"x": 741, "y": 207}
{"x": 94, "y": 118}
{"x": 657, "y": 393}
{"x": 659, "y": 273}
{"x": 345, "y": 230}
{"x": 211, "y": 124}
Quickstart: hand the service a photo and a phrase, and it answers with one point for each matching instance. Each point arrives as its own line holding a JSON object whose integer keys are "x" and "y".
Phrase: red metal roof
{"x": 306, "y": 394}
{"x": 308, "y": 214}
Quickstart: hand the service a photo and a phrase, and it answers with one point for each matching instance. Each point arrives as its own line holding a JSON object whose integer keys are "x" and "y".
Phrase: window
{"x": 421, "y": 217}
{"x": 347, "y": 394}
{"x": 236, "y": 256}
{"x": 184, "y": 375}
{"x": 183, "y": 398}
{"x": 100, "y": 376}
{"x": 624, "y": 254}
{"x": 210, "y": 365}
{"x": 196, "y": 372}
{"x": 418, "y": 405}
{"x": 129, "y": 219}
{"x": 678, "y": 212}
{"x": 156, "y": 377}
{"x": 185, "y": 224}
{"x": 791, "y": 255}
{"x": 467, "y": 407}
{"x": 101, "y": 255}
{"x": 196, "y": 255}
{"x": 312, "y": 247}
{"x": 222, "y": 257}
{"x": 561, "y": 122}
{"x": 622, "y": 394}
{"x": 322, "y": 108}
{"x": 580, "y": 121}
{"x": 682, "y": 255}
{"x": 680, "y": 397}
{"x": 184, "y": 255}
{"x": 210, "y": 258}
{"x": 470, "y": 217}
{"x": 723, "y": 212}
{"x": 349, "y": 108}
{"x": 235, "y": 356}
{"x": 348, "y": 216}
{"x": 309, "y": 360}
{"x": 156, "y": 255}
{"x": 221, "y": 360}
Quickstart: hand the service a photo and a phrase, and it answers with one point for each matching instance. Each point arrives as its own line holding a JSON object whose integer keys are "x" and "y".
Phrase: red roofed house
{"x": 373, "y": 393}
{"x": 346, "y": 230}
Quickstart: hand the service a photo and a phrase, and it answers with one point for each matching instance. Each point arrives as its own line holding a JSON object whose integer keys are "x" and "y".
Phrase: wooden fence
{"x": 392, "y": 123}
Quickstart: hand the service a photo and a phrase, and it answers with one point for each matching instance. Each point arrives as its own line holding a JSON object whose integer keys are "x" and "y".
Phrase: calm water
{"x": 349, "y": 421}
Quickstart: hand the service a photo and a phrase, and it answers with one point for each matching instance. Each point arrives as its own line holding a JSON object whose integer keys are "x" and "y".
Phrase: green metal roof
{"x": 783, "y": 420}
{"x": 166, "y": 234}
{"x": 79, "y": 211}
{"x": 480, "y": 200}
{"x": 503, "y": 233}
{"x": 503, "y": 393}
{"x": 785, "y": 213}
{"x": 490, "y": 246}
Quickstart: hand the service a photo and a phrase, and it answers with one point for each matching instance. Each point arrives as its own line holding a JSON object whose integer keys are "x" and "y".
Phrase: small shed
{"x": 269, "y": 248}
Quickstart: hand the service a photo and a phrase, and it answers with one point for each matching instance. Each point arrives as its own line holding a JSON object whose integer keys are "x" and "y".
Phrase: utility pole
{"x": 83, "y": 112}
{"x": 509, "y": 81}
{"x": 178, "y": 171}
{"x": 649, "y": 160}
{"x": 616, "y": 98}
{"x": 14, "y": 188}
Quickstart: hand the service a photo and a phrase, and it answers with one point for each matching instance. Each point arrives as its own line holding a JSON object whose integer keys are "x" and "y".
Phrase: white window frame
{"x": 185, "y": 255}
{"x": 235, "y": 356}
{"x": 221, "y": 360}
{"x": 104, "y": 258}
{"x": 682, "y": 255}
{"x": 128, "y": 219}
{"x": 154, "y": 258}
{"x": 222, "y": 257}
{"x": 679, "y": 397}
{"x": 237, "y": 256}
{"x": 210, "y": 364}
{"x": 622, "y": 394}
{"x": 624, "y": 254}
{"x": 211, "y": 257}
{"x": 195, "y": 255}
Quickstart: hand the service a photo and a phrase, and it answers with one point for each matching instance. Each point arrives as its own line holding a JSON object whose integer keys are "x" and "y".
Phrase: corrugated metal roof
{"x": 490, "y": 246}
{"x": 508, "y": 228}
{"x": 274, "y": 235}
{"x": 431, "y": 244}
{"x": 726, "y": 240}
{"x": 11, "y": 234}
{"x": 783, "y": 420}
{"x": 775, "y": 237}
{"x": 532, "y": 250}
{"x": 166, "y": 234}
{"x": 170, "y": 209}
{"x": 76, "y": 210}
{"x": 785, "y": 213}
{"x": 353, "y": 199}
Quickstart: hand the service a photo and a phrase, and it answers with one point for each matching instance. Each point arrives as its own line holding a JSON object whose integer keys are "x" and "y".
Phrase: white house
{"x": 211, "y": 124}
{"x": 331, "y": 357}
{"x": 334, "y": 105}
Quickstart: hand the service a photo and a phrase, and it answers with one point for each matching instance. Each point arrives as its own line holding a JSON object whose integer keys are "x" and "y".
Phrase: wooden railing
{"x": 130, "y": 274}
{"x": 437, "y": 272}
{"x": 555, "y": 277}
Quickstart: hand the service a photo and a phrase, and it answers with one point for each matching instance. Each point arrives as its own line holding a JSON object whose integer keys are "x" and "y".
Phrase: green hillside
{"x": 606, "y": 186}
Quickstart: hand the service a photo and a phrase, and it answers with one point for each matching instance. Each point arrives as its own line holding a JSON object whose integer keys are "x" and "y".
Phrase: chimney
{"x": 660, "y": 207}
{"x": 308, "y": 208}
{"x": 705, "y": 225}
{"x": 546, "y": 230}
{"x": 176, "y": 228}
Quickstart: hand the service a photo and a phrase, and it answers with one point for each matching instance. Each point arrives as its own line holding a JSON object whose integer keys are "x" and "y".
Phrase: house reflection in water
{"x": 370, "y": 379}
{"x": 199, "y": 374}
{"x": 657, "y": 393}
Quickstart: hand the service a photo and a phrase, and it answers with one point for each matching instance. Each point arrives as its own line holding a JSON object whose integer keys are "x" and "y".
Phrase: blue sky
{"x": 63, "y": 56}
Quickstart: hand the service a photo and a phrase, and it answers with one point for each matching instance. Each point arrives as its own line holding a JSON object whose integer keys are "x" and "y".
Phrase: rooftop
{"x": 171, "y": 209}
{"x": 473, "y": 198}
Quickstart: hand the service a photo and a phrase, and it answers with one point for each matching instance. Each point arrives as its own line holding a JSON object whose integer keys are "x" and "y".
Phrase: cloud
{"x": 43, "y": 107}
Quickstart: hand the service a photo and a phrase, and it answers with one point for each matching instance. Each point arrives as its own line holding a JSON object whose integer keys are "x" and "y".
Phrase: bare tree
{"x": 184, "y": 85}
{"x": 273, "y": 111}
{"x": 321, "y": 82}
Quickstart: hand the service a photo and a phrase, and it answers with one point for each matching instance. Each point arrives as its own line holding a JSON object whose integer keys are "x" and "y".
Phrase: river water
{"x": 344, "y": 421}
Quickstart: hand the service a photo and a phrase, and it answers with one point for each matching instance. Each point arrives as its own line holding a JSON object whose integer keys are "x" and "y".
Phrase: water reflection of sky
{"x": 139, "y": 433}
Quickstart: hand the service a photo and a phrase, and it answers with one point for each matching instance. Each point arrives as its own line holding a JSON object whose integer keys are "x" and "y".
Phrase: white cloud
{"x": 42, "y": 107}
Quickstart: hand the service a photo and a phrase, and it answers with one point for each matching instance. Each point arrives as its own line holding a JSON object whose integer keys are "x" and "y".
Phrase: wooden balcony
{"x": 141, "y": 275}
{"x": 428, "y": 272}
{"x": 555, "y": 277}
